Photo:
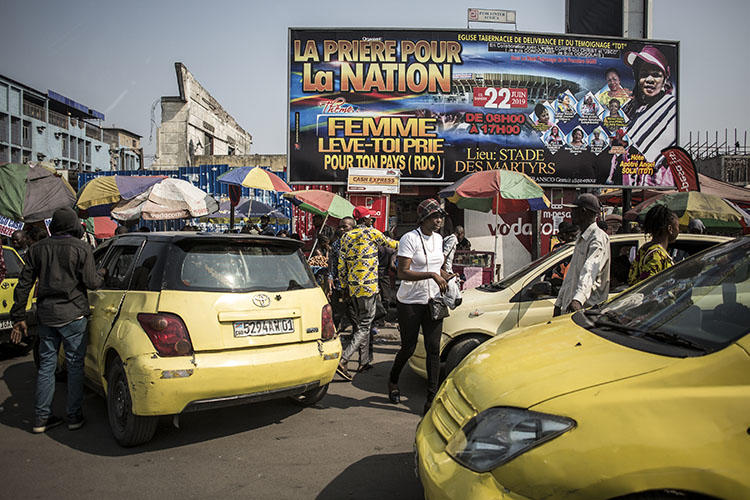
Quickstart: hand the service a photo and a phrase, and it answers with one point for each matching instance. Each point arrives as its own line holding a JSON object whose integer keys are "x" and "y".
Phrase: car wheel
{"x": 61, "y": 371}
{"x": 310, "y": 397}
{"x": 459, "y": 351}
{"x": 663, "y": 495}
{"x": 127, "y": 428}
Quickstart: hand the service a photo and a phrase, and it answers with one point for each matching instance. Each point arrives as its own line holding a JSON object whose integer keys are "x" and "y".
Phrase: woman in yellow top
{"x": 663, "y": 226}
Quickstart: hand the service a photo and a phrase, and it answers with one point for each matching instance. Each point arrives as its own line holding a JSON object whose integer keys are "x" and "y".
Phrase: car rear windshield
{"x": 237, "y": 267}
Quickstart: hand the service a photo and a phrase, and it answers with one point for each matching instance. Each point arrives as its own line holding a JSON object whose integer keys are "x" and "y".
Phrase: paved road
{"x": 353, "y": 444}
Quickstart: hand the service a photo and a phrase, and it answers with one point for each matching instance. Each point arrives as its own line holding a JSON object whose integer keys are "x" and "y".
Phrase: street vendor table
{"x": 476, "y": 268}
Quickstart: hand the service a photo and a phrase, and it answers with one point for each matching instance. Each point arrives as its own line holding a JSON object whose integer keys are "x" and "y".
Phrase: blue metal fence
{"x": 204, "y": 177}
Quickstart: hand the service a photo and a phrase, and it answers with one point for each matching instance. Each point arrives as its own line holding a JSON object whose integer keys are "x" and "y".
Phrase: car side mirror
{"x": 541, "y": 289}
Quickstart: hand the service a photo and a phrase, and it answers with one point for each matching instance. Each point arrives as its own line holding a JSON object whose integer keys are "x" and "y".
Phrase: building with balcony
{"x": 125, "y": 151}
{"x": 193, "y": 123}
{"x": 49, "y": 127}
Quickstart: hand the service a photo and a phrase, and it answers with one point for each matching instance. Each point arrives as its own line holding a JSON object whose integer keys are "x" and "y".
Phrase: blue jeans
{"x": 74, "y": 339}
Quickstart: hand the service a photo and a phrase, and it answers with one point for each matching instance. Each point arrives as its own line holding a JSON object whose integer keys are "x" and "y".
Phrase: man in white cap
{"x": 586, "y": 281}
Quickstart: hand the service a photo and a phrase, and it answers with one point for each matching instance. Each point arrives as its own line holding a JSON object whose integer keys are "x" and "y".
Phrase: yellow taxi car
{"x": 189, "y": 321}
{"x": 647, "y": 396}
{"x": 13, "y": 265}
{"x": 527, "y": 296}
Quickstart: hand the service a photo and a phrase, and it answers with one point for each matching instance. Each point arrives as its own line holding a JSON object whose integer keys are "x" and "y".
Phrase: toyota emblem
{"x": 262, "y": 300}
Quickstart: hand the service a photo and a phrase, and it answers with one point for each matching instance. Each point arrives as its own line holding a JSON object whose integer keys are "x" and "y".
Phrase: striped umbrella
{"x": 321, "y": 202}
{"x": 502, "y": 191}
{"x": 712, "y": 210}
{"x": 109, "y": 189}
{"x": 245, "y": 209}
{"x": 255, "y": 178}
{"x": 100, "y": 227}
{"x": 167, "y": 200}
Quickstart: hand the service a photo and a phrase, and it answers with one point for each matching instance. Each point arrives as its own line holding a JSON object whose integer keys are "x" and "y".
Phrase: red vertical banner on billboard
{"x": 683, "y": 169}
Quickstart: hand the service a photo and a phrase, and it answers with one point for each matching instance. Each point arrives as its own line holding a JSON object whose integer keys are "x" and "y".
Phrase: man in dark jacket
{"x": 266, "y": 229}
{"x": 64, "y": 266}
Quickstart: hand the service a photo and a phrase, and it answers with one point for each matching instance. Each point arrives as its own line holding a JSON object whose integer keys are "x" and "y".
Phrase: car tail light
{"x": 328, "y": 329}
{"x": 167, "y": 332}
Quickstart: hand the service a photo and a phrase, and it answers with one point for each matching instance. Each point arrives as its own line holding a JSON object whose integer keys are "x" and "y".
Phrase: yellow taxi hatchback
{"x": 188, "y": 321}
{"x": 527, "y": 296}
{"x": 13, "y": 266}
{"x": 648, "y": 396}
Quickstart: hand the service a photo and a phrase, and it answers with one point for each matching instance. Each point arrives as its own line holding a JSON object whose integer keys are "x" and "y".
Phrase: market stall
{"x": 475, "y": 268}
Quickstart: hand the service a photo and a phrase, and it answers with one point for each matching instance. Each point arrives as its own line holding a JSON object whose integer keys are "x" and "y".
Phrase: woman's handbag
{"x": 438, "y": 309}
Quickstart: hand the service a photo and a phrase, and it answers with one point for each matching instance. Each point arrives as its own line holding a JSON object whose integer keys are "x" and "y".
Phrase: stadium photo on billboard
{"x": 437, "y": 105}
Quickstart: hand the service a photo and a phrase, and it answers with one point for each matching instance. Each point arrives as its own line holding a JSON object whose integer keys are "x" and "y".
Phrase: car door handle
{"x": 110, "y": 309}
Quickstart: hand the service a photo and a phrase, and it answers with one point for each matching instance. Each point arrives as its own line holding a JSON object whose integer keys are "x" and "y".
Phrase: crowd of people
{"x": 354, "y": 263}
{"x": 586, "y": 279}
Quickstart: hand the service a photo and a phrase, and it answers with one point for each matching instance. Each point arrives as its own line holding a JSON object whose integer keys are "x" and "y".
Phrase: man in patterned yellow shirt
{"x": 358, "y": 273}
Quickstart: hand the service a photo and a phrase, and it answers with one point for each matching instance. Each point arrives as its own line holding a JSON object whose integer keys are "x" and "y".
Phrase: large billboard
{"x": 437, "y": 105}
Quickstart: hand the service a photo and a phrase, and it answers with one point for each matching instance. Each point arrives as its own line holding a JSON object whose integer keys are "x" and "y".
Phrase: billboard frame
{"x": 675, "y": 75}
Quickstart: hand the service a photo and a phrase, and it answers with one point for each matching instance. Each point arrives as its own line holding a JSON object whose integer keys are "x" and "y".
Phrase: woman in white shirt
{"x": 420, "y": 269}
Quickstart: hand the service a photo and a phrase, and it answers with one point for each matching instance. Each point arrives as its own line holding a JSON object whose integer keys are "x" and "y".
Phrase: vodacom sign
{"x": 519, "y": 228}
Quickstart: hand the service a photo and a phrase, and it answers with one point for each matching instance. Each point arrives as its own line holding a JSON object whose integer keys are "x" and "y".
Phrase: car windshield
{"x": 700, "y": 305}
{"x": 13, "y": 264}
{"x": 240, "y": 266}
{"x": 511, "y": 278}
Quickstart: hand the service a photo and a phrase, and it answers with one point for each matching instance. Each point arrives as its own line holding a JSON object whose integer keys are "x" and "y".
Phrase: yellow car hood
{"x": 538, "y": 363}
{"x": 475, "y": 297}
{"x": 476, "y": 307}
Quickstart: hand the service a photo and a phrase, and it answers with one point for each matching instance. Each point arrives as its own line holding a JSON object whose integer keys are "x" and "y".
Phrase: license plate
{"x": 263, "y": 327}
{"x": 6, "y": 324}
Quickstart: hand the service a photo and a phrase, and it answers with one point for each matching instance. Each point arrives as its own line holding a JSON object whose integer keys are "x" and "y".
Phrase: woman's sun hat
{"x": 650, "y": 55}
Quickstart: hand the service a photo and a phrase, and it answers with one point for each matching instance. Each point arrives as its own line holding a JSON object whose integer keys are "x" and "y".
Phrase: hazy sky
{"x": 118, "y": 57}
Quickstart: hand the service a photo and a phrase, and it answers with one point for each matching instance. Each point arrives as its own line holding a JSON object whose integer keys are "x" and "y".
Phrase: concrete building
{"x": 49, "y": 127}
{"x": 723, "y": 158}
{"x": 125, "y": 151}
{"x": 194, "y": 123}
{"x": 731, "y": 168}
{"x": 274, "y": 163}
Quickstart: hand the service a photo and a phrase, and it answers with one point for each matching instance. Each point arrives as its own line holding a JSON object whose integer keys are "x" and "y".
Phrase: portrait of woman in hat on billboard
{"x": 652, "y": 111}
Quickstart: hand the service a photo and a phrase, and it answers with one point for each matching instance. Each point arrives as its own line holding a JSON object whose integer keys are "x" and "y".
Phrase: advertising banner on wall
{"x": 437, "y": 105}
{"x": 9, "y": 226}
{"x": 374, "y": 180}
